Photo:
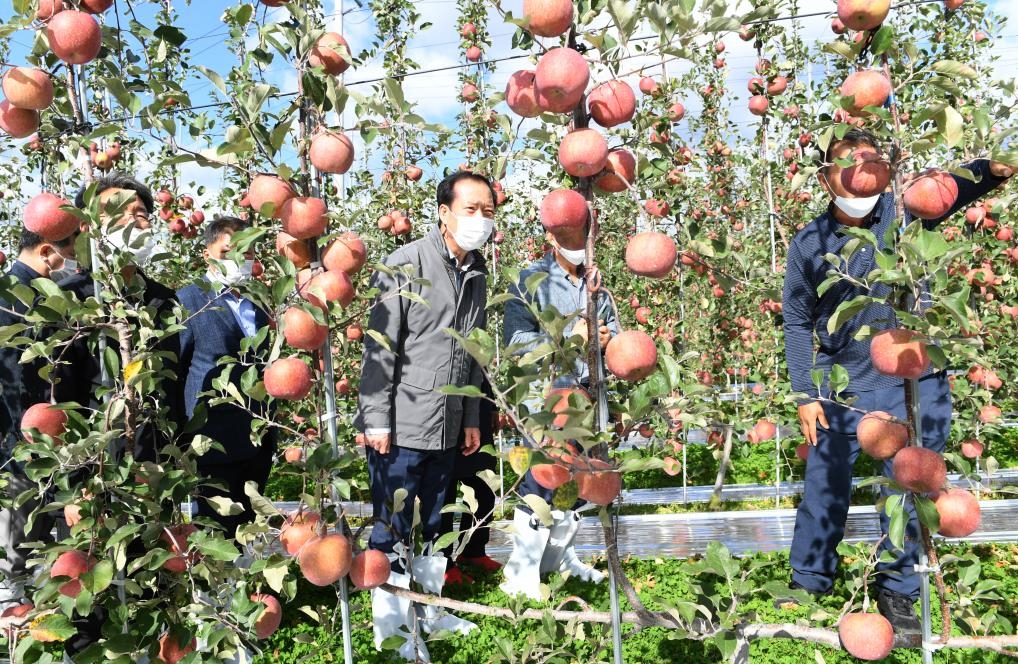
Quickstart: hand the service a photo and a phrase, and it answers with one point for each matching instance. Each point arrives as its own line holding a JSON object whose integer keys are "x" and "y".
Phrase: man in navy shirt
{"x": 22, "y": 386}
{"x": 830, "y": 427}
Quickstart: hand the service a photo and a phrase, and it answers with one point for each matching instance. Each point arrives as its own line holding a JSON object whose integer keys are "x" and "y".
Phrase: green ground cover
{"x": 657, "y": 582}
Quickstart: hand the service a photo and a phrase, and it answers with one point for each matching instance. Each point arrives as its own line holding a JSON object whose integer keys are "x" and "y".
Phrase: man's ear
{"x": 822, "y": 179}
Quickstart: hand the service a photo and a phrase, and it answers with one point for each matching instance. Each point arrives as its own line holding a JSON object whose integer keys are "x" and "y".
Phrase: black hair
{"x": 445, "y": 194}
{"x": 69, "y": 240}
{"x": 854, "y": 136}
{"x": 216, "y": 228}
{"x": 29, "y": 240}
{"x": 116, "y": 180}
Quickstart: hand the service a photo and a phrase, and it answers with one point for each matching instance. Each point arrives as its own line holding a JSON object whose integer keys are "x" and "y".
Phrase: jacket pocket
{"x": 420, "y": 377}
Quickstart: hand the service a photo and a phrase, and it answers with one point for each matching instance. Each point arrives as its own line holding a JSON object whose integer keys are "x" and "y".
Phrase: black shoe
{"x": 900, "y": 612}
{"x": 793, "y": 601}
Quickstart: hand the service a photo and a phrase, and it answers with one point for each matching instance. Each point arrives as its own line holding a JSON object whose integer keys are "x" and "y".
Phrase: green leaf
{"x": 540, "y": 508}
{"x": 463, "y": 391}
{"x": 399, "y": 497}
{"x": 726, "y": 643}
{"x": 446, "y": 539}
{"x": 380, "y": 339}
{"x": 533, "y": 281}
{"x": 275, "y": 573}
{"x": 625, "y": 16}
{"x": 899, "y": 519}
{"x": 501, "y": 298}
{"x": 394, "y": 91}
{"x": 201, "y": 444}
{"x": 216, "y": 548}
{"x": 261, "y": 505}
{"x": 170, "y": 34}
{"x": 930, "y": 245}
{"x": 817, "y": 377}
{"x": 722, "y": 24}
{"x": 937, "y": 356}
{"x": 955, "y": 68}
{"x": 883, "y": 40}
{"x": 839, "y": 48}
{"x": 99, "y": 577}
{"x": 224, "y": 506}
{"x": 951, "y": 126}
{"x": 243, "y": 14}
{"x": 926, "y": 510}
{"x": 846, "y": 310}
{"x": 479, "y": 344}
{"x": 393, "y": 642}
{"x": 838, "y": 380}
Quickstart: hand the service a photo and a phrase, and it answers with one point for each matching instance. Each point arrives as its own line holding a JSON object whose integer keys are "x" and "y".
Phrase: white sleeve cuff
{"x": 377, "y": 431}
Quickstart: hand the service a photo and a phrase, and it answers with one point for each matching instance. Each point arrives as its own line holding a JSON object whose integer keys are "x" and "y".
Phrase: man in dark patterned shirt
{"x": 830, "y": 427}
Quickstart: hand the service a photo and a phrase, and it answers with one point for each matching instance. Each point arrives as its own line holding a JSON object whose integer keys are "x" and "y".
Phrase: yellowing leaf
{"x": 51, "y": 627}
{"x": 131, "y": 370}
{"x": 519, "y": 459}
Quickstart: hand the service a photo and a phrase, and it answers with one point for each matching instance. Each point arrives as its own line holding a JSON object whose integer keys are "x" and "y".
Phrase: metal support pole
{"x": 923, "y": 568}
{"x": 331, "y": 415}
{"x": 613, "y": 592}
{"x": 332, "y": 436}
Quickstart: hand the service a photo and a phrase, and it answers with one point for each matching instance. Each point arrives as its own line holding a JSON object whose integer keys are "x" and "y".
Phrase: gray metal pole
{"x": 923, "y": 568}
{"x": 331, "y": 414}
{"x": 613, "y": 594}
{"x": 613, "y": 587}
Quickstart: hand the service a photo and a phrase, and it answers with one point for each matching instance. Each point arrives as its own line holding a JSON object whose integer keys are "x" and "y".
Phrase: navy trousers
{"x": 820, "y": 519}
{"x": 425, "y": 475}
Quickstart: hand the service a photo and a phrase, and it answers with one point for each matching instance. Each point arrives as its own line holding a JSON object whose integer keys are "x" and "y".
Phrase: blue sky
{"x": 437, "y": 50}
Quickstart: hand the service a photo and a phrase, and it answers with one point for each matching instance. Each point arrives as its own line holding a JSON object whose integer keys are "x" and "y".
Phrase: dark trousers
{"x": 233, "y": 476}
{"x": 820, "y": 519}
{"x": 425, "y": 476}
{"x": 465, "y": 472}
{"x": 13, "y": 572}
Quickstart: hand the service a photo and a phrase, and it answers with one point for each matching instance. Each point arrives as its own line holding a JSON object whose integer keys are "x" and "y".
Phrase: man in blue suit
{"x": 220, "y": 318}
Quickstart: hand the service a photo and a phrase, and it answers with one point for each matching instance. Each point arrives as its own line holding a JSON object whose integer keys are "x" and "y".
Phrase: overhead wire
{"x": 420, "y": 72}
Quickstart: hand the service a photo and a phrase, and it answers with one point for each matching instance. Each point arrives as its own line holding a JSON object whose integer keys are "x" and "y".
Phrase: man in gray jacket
{"x": 411, "y": 429}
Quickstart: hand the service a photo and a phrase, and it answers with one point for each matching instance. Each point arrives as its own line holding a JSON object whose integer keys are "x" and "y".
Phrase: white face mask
{"x": 140, "y": 245}
{"x": 574, "y": 256}
{"x": 472, "y": 232}
{"x": 856, "y": 208}
{"x": 230, "y": 273}
{"x": 69, "y": 267}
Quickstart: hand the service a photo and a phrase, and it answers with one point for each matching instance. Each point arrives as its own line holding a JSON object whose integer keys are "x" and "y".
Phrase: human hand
{"x": 580, "y": 329}
{"x": 379, "y": 442}
{"x": 604, "y": 335}
{"x": 1000, "y": 170}
{"x": 809, "y": 415}
{"x": 471, "y": 440}
{"x": 72, "y": 514}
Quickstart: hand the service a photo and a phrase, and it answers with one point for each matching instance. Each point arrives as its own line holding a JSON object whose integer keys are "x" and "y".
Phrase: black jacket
{"x": 80, "y": 374}
{"x": 21, "y": 383}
